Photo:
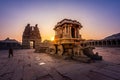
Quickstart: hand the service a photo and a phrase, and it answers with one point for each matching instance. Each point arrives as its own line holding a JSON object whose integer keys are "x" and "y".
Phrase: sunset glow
{"x": 52, "y": 38}
{"x": 99, "y": 18}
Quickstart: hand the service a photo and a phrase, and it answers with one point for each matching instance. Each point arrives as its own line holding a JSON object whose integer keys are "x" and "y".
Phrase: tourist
{"x": 10, "y": 52}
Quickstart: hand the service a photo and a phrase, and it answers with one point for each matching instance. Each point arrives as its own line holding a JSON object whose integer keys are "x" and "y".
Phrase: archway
{"x": 32, "y": 44}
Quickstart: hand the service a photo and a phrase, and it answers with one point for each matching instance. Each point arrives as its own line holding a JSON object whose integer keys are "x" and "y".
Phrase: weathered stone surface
{"x": 27, "y": 65}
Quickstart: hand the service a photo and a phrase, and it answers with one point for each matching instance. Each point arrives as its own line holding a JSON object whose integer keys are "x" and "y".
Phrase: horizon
{"x": 98, "y": 18}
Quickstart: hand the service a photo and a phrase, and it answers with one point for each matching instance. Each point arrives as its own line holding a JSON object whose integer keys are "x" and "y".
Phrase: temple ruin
{"x": 31, "y": 37}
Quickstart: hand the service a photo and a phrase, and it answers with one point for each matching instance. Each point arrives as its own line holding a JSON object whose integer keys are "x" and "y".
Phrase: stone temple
{"x": 31, "y": 37}
{"x": 68, "y": 42}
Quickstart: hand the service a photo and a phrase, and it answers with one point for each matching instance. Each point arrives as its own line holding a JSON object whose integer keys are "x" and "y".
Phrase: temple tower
{"x": 31, "y": 37}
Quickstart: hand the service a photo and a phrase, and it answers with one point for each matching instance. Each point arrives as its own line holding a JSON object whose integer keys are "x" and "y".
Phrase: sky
{"x": 99, "y": 18}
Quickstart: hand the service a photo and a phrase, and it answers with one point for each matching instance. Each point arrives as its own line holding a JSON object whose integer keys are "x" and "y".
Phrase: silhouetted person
{"x": 96, "y": 53}
{"x": 10, "y": 52}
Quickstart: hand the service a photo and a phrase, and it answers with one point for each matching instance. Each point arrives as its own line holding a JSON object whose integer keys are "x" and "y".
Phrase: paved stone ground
{"x": 27, "y": 65}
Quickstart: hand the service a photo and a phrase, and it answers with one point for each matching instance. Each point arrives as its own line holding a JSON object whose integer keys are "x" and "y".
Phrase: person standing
{"x": 10, "y": 52}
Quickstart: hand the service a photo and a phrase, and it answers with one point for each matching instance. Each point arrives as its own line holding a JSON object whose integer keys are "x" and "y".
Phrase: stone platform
{"x": 27, "y": 65}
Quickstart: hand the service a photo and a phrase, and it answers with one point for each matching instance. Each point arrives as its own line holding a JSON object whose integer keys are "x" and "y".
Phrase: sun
{"x": 52, "y": 38}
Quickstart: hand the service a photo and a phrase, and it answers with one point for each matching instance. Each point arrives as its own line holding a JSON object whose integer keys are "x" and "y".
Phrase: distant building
{"x": 9, "y": 43}
{"x": 110, "y": 41}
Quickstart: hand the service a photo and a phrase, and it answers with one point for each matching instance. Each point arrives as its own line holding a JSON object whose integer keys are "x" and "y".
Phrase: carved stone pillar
{"x": 65, "y": 28}
{"x": 70, "y": 31}
{"x": 75, "y": 33}
{"x": 78, "y": 33}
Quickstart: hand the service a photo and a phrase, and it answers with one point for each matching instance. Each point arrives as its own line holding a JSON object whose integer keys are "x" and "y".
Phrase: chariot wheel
{"x": 53, "y": 49}
{"x": 60, "y": 50}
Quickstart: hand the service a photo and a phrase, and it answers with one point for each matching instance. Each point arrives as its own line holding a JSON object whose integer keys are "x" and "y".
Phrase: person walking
{"x": 10, "y": 52}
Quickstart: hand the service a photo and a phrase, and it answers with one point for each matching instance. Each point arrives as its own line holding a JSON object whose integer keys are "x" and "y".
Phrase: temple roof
{"x": 68, "y": 21}
{"x": 8, "y": 40}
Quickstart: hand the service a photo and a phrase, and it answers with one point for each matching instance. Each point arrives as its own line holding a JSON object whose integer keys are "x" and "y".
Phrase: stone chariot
{"x": 69, "y": 44}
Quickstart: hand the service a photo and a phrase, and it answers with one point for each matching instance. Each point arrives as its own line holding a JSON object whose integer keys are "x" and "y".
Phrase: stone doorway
{"x": 73, "y": 32}
{"x": 32, "y": 44}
